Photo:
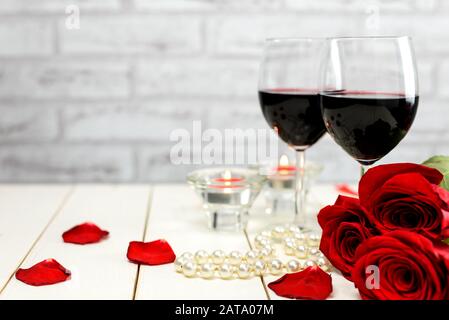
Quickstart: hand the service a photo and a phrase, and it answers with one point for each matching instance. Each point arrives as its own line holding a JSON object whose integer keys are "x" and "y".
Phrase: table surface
{"x": 33, "y": 218}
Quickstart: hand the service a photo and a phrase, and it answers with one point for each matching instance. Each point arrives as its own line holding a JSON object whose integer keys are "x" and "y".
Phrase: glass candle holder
{"x": 227, "y": 194}
{"x": 280, "y": 190}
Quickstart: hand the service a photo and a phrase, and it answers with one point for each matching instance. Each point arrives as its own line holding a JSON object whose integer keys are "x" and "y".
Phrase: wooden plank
{"x": 99, "y": 271}
{"x": 25, "y": 211}
{"x": 319, "y": 196}
{"x": 176, "y": 216}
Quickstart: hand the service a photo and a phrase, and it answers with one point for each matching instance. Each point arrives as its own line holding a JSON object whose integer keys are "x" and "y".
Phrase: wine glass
{"x": 288, "y": 96}
{"x": 368, "y": 94}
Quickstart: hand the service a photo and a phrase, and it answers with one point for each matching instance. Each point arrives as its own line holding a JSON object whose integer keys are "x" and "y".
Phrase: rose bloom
{"x": 410, "y": 267}
{"x": 406, "y": 196}
{"x": 345, "y": 226}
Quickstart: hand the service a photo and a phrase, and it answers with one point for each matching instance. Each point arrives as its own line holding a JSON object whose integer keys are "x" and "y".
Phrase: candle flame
{"x": 283, "y": 161}
{"x": 227, "y": 175}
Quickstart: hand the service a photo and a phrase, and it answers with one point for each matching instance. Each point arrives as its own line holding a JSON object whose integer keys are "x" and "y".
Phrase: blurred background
{"x": 97, "y": 101}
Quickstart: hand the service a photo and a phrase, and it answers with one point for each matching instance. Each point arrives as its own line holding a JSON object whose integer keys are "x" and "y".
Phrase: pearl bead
{"x": 301, "y": 252}
{"x": 179, "y": 263}
{"x": 262, "y": 243}
{"x": 225, "y": 271}
{"x": 322, "y": 263}
{"x": 313, "y": 240}
{"x": 289, "y": 249}
{"x": 294, "y": 229}
{"x": 289, "y": 240}
{"x": 187, "y": 255}
{"x": 207, "y": 270}
{"x": 189, "y": 269}
{"x": 314, "y": 252}
{"x": 266, "y": 234}
{"x": 251, "y": 256}
{"x": 278, "y": 232}
{"x": 309, "y": 263}
{"x": 218, "y": 257}
{"x": 276, "y": 266}
{"x": 244, "y": 271}
{"x": 265, "y": 254}
{"x": 260, "y": 238}
{"x": 300, "y": 238}
{"x": 293, "y": 266}
{"x": 259, "y": 267}
{"x": 269, "y": 249}
{"x": 201, "y": 256}
{"x": 235, "y": 257}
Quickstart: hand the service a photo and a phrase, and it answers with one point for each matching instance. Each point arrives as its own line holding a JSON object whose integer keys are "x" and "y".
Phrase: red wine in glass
{"x": 368, "y": 125}
{"x": 289, "y": 67}
{"x": 294, "y": 114}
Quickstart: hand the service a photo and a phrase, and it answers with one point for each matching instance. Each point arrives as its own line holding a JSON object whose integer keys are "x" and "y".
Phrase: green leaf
{"x": 446, "y": 241}
{"x": 441, "y": 163}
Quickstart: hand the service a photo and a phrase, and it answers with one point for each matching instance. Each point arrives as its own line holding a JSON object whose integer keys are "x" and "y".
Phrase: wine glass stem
{"x": 300, "y": 191}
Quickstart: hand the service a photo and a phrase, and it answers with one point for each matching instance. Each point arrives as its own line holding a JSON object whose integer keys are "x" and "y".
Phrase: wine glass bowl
{"x": 288, "y": 96}
{"x": 294, "y": 114}
{"x": 368, "y": 125}
{"x": 369, "y": 94}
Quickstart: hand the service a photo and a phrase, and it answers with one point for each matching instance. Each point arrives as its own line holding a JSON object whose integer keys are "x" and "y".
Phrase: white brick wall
{"x": 98, "y": 103}
{"x": 64, "y": 78}
{"x": 26, "y": 37}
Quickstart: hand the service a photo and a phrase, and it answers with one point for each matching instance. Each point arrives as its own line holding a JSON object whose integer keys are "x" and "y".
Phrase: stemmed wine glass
{"x": 369, "y": 94}
{"x": 288, "y": 96}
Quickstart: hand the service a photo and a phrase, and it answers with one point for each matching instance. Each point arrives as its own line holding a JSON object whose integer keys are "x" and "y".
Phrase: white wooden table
{"x": 33, "y": 218}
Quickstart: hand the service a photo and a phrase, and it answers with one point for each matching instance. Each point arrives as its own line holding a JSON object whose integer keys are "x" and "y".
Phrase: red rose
{"x": 345, "y": 226}
{"x": 406, "y": 196}
{"x": 409, "y": 267}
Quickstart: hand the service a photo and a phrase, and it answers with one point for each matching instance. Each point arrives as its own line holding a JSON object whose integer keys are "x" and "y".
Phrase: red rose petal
{"x": 43, "y": 273}
{"x": 150, "y": 253}
{"x": 375, "y": 177}
{"x": 84, "y": 233}
{"x": 345, "y": 226}
{"x": 409, "y": 267}
{"x": 311, "y": 283}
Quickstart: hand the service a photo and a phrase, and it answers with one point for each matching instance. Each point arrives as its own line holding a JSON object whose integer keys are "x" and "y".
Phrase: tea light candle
{"x": 227, "y": 190}
{"x": 281, "y": 185}
{"x": 283, "y": 176}
{"x": 227, "y": 194}
{"x": 284, "y": 168}
{"x": 228, "y": 179}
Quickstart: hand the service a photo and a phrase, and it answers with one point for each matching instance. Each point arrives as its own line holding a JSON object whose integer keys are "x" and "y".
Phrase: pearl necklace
{"x": 259, "y": 262}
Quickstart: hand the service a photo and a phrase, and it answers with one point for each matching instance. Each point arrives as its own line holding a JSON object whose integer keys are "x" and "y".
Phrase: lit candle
{"x": 283, "y": 176}
{"x": 284, "y": 168}
{"x": 227, "y": 182}
{"x": 227, "y": 194}
{"x": 227, "y": 178}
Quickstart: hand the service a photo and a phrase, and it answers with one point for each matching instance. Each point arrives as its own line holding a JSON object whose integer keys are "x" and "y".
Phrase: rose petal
{"x": 409, "y": 266}
{"x": 43, "y": 273}
{"x": 84, "y": 233}
{"x": 311, "y": 283}
{"x": 150, "y": 253}
{"x": 407, "y": 201}
{"x": 375, "y": 177}
{"x": 345, "y": 226}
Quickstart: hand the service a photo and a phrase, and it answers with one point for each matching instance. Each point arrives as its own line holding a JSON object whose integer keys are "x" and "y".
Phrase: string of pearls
{"x": 261, "y": 261}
